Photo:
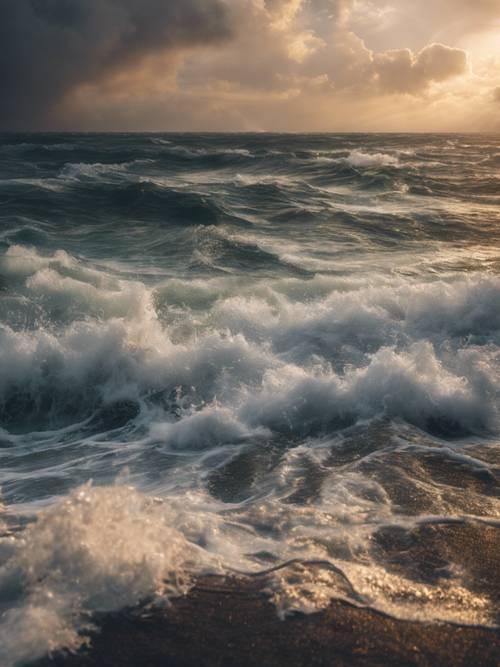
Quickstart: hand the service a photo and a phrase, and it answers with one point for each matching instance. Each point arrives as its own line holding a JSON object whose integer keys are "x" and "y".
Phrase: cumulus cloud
{"x": 49, "y": 46}
{"x": 295, "y": 45}
{"x": 401, "y": 71}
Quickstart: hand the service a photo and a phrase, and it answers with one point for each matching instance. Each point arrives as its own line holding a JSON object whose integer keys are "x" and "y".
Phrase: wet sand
{"x": 232, "y": 623}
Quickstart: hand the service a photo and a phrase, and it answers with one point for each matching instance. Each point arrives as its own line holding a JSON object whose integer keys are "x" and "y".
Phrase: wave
{"x": 414, "y": 385}
{"x": 34, "y": 147}
{"x": 200, "y": 153}
{"x": 146, "y": 200}
{"x": 50, "y": 184}
{"x": 100, "y": 550}
{"x": 160, "y": 142}
{"x": 104, "y": 549}
{"x": 354, "y": 158}
{"x": 75, "y": 171}
{"x": 196, "y": 152}
{"x": 333, "y": 358}
{"x": 360, "y": 159}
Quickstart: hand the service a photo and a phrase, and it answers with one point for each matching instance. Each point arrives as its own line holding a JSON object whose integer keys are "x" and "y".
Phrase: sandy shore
{"x": 231, "y": 623}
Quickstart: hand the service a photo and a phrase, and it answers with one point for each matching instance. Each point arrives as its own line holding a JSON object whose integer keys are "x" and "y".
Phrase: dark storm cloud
{"x": 49, "y": 46}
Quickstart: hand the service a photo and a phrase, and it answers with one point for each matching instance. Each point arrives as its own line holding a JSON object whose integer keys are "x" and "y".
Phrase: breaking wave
{"x": 360, "y": 159}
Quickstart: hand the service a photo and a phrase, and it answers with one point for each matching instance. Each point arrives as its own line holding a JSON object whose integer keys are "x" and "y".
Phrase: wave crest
{"x": 97, "y": 550}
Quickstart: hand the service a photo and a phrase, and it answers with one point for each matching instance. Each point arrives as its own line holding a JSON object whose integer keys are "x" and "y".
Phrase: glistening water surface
{"x": 224, "y": 353}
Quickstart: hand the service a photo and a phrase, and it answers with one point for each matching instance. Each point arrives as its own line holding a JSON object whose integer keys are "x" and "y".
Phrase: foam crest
{"x": 208, "y": 429}
{"x": 358, "y": 158}
{"x": 21, "y": 262}
{"x": 75, "y": 171}
{"x": 84, "y": 171}
{"x": 114, "y": 361}
{"x": 197, "y": 153}
{"x": 96, "y": 550}
{"x": 128, "y": 299}
{"x": 414, "y": 386}
{"x": 365, "y": 318}
{"x": 130, "y": 344}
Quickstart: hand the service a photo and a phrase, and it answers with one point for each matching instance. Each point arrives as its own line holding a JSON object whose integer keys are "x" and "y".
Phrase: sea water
{"x": 222, "y": 353}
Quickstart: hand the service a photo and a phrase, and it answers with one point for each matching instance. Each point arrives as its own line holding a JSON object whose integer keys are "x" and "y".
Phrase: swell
{"x": 139, "y": 201}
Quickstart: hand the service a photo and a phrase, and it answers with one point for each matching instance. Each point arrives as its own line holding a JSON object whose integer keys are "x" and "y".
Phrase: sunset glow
{"x": 251, "y": 65}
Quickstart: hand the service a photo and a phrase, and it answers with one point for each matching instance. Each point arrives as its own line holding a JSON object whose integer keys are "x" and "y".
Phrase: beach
{"x": 225, "y": 623}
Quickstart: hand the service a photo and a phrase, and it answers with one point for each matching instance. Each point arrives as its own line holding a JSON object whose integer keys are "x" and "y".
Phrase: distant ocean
{"x": 221, "y": 353}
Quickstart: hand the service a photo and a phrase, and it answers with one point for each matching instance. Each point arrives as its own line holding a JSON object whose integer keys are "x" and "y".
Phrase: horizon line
{"x": 256, "y": 132}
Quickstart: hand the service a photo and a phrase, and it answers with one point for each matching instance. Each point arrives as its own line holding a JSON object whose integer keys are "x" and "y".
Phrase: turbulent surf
{"x": 247, "y": 353}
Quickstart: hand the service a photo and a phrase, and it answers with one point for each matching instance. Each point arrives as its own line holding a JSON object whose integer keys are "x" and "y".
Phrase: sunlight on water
{"x": 244, "y": 353}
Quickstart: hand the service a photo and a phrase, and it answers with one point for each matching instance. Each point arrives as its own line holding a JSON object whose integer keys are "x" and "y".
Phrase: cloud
{"x": 295, "y": 45}
{"x": 401, "y": 71}
{"x": 238, "y": 64}
{"x": 47, "y": 47}
{"x": 396, "y": 24}
{"x": 465, "y": 15}
{"x": 496, "y": 94}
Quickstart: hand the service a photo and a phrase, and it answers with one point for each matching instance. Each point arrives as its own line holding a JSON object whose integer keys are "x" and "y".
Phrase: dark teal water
{"x": 224, "y": 352}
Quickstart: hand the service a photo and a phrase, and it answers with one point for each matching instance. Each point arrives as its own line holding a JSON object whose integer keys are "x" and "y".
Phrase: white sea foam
{"x": 160, "y": 142}
{"x": 354, "y": 354}
{"x": 96, "y": 550}
{"x": 210, "y": 428}
{"x": 82, "y": 170}
{"x": 358, "y": 158}
{"x": 196, "y": 153}
{"x": 25, "y": 262}
{"x": 103, "y": 549}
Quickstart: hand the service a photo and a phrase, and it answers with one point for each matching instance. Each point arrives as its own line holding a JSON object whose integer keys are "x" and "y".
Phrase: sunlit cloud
{"x": 247, "y": 64}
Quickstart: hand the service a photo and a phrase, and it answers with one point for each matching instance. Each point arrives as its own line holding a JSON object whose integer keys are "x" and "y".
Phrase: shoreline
{"x": 227, "y": 622}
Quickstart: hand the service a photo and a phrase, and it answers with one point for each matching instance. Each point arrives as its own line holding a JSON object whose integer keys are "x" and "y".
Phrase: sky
{"x": 250, "y": 65}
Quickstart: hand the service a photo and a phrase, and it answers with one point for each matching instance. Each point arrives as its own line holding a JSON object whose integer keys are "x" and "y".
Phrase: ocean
{"x": 247, "y": 354}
